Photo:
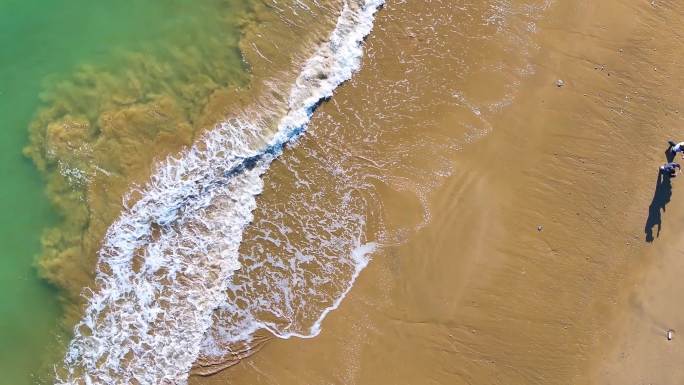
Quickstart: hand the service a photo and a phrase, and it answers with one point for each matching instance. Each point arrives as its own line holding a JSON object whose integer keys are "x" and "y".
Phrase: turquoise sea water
{"x": 43, "y": 41}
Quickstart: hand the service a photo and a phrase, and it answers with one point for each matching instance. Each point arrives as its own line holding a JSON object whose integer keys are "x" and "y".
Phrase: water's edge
{"x": 151, "y": 282}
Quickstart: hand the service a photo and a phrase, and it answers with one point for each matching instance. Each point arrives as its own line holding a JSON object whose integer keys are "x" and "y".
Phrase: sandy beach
{"x": 535, "y": 266}
{"x": 368, "y": 192}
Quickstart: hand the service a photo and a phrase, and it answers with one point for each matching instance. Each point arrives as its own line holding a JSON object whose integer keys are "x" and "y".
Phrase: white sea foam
{"x": 165, "y": 263}
{"x": 303, "y": 251}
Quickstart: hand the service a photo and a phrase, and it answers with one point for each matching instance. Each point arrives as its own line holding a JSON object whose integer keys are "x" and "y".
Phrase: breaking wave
{"x": 167, "y": 262}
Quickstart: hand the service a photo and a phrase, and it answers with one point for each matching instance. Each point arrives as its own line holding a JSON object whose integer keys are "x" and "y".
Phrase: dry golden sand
{"x": 479, "y": 295}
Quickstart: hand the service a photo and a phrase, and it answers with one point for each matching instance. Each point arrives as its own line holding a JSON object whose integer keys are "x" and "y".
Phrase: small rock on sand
{"x": 560, "y": 83}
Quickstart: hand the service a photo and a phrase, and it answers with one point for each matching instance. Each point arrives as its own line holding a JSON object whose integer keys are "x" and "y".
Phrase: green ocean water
{"x": 42, "y": 42}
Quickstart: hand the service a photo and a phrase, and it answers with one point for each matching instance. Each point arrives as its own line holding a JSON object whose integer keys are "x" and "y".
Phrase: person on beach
{"x": 676, "y": 147}
{"x": 670, "y": 169}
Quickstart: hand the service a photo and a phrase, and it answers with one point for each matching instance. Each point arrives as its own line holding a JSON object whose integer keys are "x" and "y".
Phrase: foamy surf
{"x": 165, "y": 263}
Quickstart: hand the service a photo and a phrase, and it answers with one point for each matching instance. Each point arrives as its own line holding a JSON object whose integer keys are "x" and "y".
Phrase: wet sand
{"x": 534, "y": 267}
{"x": 102, "y": 130}
{"x": 510, "y": 212}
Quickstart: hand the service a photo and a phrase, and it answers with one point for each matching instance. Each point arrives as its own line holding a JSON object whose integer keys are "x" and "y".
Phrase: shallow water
{"x": 164, "y": 260}
{"x": 45, "y": 46}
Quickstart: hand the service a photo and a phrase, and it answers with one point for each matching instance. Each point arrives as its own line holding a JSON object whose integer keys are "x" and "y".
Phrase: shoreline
{"x": 514, "y": 253}
{"x": 178, "y": 243}
{"x": 480, "y": 294}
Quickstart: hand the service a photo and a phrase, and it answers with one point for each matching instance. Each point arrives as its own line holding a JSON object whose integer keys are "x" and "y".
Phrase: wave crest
{"x": 165, "y": 262}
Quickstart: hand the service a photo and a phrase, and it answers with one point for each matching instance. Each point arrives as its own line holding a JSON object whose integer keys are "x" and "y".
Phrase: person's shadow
{"x": 669, "y": 155}
{"x": 661, "y": 197}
